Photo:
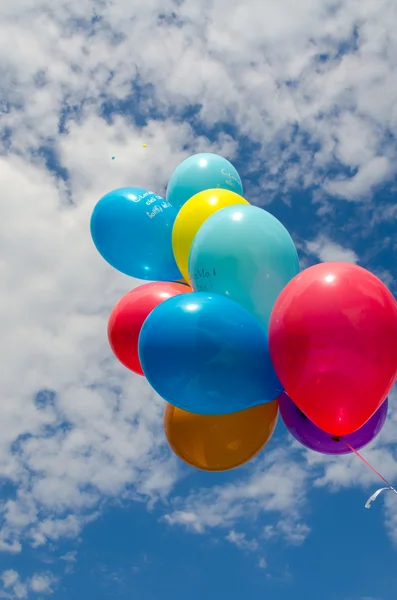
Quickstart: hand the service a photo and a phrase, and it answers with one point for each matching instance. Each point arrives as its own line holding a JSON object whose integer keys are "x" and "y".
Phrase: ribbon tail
{"x": 378, "y": 493}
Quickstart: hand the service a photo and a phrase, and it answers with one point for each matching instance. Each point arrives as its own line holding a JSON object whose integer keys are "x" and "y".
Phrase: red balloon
{"x": 129, "y": 314}
{"x": 333, "y": 342}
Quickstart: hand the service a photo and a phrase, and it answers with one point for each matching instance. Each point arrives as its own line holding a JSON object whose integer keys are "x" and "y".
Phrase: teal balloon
{"x": 244, "y": 253}
{"x": 201, "y": 172}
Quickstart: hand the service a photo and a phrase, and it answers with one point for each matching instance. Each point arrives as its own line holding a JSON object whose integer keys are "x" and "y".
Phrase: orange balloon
{"x": 219, "y": 442}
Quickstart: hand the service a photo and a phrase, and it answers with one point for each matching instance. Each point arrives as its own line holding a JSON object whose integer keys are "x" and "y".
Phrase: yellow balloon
{"x": 192, "y": 215}
{"x": 219, "y": 442}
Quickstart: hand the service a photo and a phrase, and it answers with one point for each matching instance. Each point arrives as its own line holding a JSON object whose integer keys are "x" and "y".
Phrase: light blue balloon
{"x": 206, "y": 354}
{"x": 202, "y": 172}
{"x": 132, "y": 229}
{"x": 246, "y": 254}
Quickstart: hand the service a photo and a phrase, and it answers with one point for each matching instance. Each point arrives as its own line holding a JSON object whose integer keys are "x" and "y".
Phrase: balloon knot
{"x": 335, "y": 438}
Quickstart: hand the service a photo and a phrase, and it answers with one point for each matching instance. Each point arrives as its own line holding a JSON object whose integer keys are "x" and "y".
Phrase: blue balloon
{"x": 207, "y": 355}
{"x": 246, "y": 254}
{"x": 202, "y": 172}
{"x": 132, "y": 229}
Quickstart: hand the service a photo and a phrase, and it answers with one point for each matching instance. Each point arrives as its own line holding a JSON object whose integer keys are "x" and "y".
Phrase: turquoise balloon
{"x": 201, "y": 172}
{"x": 246, "y": 254}
{"x": 132, "y": 229}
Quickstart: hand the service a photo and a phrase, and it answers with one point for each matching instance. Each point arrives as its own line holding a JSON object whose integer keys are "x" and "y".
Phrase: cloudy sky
{"x": 302, "y": 97}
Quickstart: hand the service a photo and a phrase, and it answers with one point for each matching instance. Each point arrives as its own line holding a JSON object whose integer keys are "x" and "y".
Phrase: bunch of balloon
{"x": 228, "y": 329}
{"x": 203, "y": 353}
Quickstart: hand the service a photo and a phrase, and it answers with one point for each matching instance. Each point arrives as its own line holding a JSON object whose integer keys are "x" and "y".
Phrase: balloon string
{"x": 374, "y": 496}
{"x": 366, "y": 463}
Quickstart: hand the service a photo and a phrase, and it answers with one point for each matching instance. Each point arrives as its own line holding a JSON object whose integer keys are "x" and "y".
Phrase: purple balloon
{"x": 311, "y": 436}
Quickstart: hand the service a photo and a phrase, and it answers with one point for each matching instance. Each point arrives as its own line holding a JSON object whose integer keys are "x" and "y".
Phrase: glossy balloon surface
{"x": 132, "y": 230}
{"x": 333, "y": 342}
{"x": 191, "y": 217}
{"x": 246, "y": 254}
{"x": 129, "y": 314}
{"x": 206, "y": 354}
{"x": 200, "y": 172}
{"x": 219, "y": 443}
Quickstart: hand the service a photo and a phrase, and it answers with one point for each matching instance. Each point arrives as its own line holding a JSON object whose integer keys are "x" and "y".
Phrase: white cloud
{"x": 70, "y": 557}
{"x": 294, "y": 532}
{"x": 326, "y": 250}
{"x": 240, "y": 540}
{"x": 41, "y": 584}
{"x": 14, "y": 588}
{"x": 263, "y": 73}
{"x": 276, "y": 485}
{"x": 262, "y": 564}
{"x": 9, "y": 578}
{"x": 362, "y": 184}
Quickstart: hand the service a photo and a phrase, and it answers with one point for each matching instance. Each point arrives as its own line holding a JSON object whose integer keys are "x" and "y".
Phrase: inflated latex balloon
{"x": 206, "y": 354}
{"x": 246, "y": 254}
{"x": 311, "y": 436}
{"x": 221, "y": 442}
{"x": 191, "y": 217}
{"x": 333, "y": 342}
{"x": 132, "y": 229}
{"x": 200, "y": 172}
{"x": 129, "y": 314}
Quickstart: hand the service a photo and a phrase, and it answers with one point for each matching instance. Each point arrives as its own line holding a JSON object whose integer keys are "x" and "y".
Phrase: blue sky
{"x": 302, "y": 98}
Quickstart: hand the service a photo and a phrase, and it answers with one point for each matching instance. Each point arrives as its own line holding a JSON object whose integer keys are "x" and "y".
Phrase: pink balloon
{"x": 333, "y": 343}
